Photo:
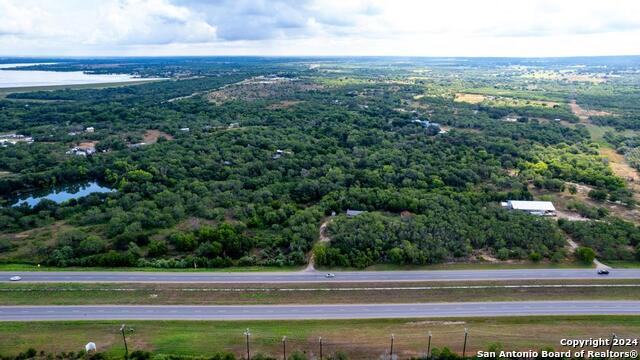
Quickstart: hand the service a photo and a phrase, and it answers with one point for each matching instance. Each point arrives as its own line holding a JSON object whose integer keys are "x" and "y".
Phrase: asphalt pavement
{"x": 314, "y": 277}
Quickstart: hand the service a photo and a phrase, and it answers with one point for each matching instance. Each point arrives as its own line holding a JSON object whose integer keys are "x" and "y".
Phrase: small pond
{"x": 60, "y": 194}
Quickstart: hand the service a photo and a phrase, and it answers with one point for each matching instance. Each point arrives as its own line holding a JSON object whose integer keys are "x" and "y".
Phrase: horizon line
{"x": 307, "y": 56}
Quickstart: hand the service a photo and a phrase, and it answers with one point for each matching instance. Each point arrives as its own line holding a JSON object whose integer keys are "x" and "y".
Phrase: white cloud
{"x": 320, "y": 27}
{"x": 101, "y": 24}
{"x": 14, "y": 19}
{"x": 149, "y": 22}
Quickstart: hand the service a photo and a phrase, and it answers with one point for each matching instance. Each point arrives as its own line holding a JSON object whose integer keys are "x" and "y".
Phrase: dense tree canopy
{"x": 252, "y": 158}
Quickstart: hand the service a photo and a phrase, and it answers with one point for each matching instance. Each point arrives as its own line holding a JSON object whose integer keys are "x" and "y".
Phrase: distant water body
{"x": 28, "y": 78}
{"x": 61, "y": 194}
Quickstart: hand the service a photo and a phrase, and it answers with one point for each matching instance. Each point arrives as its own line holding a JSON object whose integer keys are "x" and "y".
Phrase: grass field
{"x": 597, "y": 132}
{"x": 624, "y": 264}
{"x": 360, "y": 339}
{"x": 469, "y": 98}
{"x": 253, "y": 294}
{"x": 5, "y": 91}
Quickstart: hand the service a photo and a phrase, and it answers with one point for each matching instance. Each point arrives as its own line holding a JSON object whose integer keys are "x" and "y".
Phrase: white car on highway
{"x": 15, "y": 278}
{"x": 330, "y": 275}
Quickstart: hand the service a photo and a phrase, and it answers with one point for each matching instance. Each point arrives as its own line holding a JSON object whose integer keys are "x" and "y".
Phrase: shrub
{"x": 157, "y": 248}
{"x": 247, "y": 261}
{"x": 503, "y": 254}
{"x": 92, "y": 245}
{"x": 184, "y": 241}
{"x": 5, "y": 245}
{"x": 140, "y": 355}
{"x": 585, "y": 254}
{"x": 588, "y": 211}
{"x": 599, "y": 195}
{"x": 535, "y": 256}
{"x": 209, "y": 249}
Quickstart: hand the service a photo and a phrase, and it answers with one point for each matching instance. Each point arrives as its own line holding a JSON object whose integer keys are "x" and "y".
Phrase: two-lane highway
{"x": 311, "y": 277}
{"x": 300, "y": 312}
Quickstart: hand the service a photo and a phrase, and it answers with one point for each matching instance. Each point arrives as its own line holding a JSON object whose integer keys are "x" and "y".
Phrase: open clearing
{"x": 561, "y": 200}
{"x": 597, "y": 131}
{"x": 345, "y": 293}
{"x": 620, "y": 166}
{"x": 152, "y": 136}
{"x": 469, "y": 98}
{"x": 565, "y": 76}
{"x": 617, "y": 162}
{"x": 87, "y": 144}
{"x": 514, "y": 102}
{"x": 584, "y": 114}
{"x": 501, "y": 100}
{"x": 283, "y": 104}
{"x": 263, "y": 87}
{"x": 360, "y": 339}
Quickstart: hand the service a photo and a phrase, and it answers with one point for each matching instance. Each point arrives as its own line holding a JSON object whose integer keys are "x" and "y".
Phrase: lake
{"x": 61, "y": 194}
{"x": 29, "y": 78}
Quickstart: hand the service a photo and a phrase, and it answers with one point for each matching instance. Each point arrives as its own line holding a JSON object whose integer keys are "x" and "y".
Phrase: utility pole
{"x": 429, "y": 346}
{"x": 613, "y": 337}
{"x": 320, "y": 341}
{"x": 391, "y": 350}
{"x": 247, "y": 334}
{"x": 284, "y": 348}
{"x": 123, "y": 328}
{"x": 464, "y": 347}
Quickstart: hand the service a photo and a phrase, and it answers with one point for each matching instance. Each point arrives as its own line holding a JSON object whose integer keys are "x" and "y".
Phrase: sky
{"x": 527, "y": 28}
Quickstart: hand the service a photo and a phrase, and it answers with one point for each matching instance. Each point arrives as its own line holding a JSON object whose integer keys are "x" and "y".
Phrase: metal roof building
{"x": 544, "y": 208}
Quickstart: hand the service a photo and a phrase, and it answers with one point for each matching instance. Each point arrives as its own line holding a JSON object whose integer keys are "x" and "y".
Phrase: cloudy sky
{"x": 320, "y": 27}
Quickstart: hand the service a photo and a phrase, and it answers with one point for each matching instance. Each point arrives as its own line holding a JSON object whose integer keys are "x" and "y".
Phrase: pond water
{"x": 27, "y": 78}
{"x": 61, "y": 194}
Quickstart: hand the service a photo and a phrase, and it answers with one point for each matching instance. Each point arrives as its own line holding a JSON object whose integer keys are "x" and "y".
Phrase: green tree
{"x": 157, "y": 248}
{"x": 184, "y": 241}
{"x": 573, "y": 189}
{"x": 585, "y": 254}
{"x": 139, "y": 176}
{"x": 535, "y": 256}
{"x": 209, "y": 249}
{"x": 599, "y": 195}
{"x": 92, "y": 245}
{"x": 396, "y": 255}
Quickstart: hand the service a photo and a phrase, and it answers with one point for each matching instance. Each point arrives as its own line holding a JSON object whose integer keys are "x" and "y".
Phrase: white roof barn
{"x": 532, "y": 207}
